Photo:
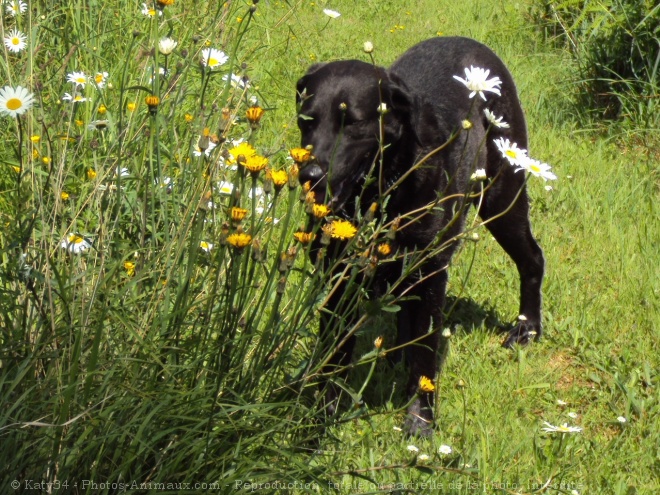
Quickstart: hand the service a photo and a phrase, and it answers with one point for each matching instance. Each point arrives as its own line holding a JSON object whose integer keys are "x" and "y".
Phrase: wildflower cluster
{"x": 477, "y": 81}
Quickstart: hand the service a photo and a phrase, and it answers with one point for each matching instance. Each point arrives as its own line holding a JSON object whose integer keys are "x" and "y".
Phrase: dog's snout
{"x": 311, "y": 173}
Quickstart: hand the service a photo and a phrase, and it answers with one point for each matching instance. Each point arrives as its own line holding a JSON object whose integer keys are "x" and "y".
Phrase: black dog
{"x": 425, "y": 107}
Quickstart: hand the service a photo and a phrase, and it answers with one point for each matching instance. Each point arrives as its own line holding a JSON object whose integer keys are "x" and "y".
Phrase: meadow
{"x": 158, "y": 310}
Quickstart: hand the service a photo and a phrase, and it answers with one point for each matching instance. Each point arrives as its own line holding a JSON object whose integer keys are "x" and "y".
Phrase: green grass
{"x": 199, "y": 368}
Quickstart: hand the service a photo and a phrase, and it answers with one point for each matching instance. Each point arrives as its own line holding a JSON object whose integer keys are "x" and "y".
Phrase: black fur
{"x": 339, "y": 118}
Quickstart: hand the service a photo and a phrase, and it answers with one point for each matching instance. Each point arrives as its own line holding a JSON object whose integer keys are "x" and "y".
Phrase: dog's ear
{"x": 408, "y": 110}
{"x": 301, "y": 85}
{"x": 402, "y": 107}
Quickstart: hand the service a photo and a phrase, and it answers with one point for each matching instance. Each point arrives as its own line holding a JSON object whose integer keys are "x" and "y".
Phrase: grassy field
{"x": 152, "y": 359}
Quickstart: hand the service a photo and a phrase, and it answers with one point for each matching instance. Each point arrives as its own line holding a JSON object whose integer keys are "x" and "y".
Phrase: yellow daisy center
{"x": 75, "y": 239}
{"x": 15, "y": 41}
{"x": 14, "y": 103}
{"x": 99, "y": 78}
{"x": 212, "y": 61}
{"x": 511, "y": 153}
{"x": 535, "y": 168}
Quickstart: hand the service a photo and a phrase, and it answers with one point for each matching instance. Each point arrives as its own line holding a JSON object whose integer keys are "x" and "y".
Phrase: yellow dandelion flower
{"x": 254, "y": 114}
{"x": 243, "y": 149}
{"x": 64, "y": 196}
{"x": 320, "y": 211}
{"x": 300, "y": 155}
{"x": 304, "y": 237}
{"x": 426, "y": 384}
{"x": 279, "y": 177}
{"x": 129, "y": 266}
{"x": 188, "y": 118}
{"x": 131, "y": 106}
{"x": 237, "y": 214}
{"x": 255, "y": 163}
{"x": 342, "y": 229}
{"x": 239, "y": 240}
{"x": 384, "y": 249}
{"x": 35, "y": 139}
{"x": 91, "y": 174}
{"x": 102, "y": 109}
{"x": 35, "y": 154}
{"x": 45, "y": 160}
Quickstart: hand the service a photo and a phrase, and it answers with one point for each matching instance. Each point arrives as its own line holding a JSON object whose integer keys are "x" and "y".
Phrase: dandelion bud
{"x": 382, "y": 108}
{"x": 368, "y": 47}
{"x": 257, "y": 252}
{"x": 152, "y": 102}
{"x": 391, "y": 234}
{"x": 378, "y": 343}
{"x": 281, "y": 285}
{"x": 466, "y": 124}
{"x": 371, "y": 212}
{"x": 342, "y": 107}
{"x": 460, "y": 384}
{"x": 293, "y": 176}
{"x": 474, "y": 237}
{"x": 446, "y": 333}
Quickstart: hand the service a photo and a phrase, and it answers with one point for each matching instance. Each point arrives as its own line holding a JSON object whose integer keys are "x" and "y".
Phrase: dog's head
{"x": 340, "y": 109}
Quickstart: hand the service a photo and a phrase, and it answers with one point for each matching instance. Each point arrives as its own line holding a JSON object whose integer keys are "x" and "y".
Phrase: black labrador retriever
{"x": 424, "y": 110}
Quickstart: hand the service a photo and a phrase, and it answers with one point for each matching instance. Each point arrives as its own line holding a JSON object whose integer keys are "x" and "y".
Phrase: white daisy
{"x": 15, "y": 42}
{"x": 621, "y": 419}
{"x": 537, "y": 169}
{"x": 15, "y": 101}
{"x": 236, "y": 81}
{"x": 99, "y": 79}
{"x": 213, "y": 58}
{"x": 561, "y": 429}
{"x": 396, "y": 428}
{"x": 206, "y": 246}
{"x": 16, "y": 7}
{"x": 97, "y": 125}
{"x": 423, "y": 457}
{"x": 77, "y": 78}
{"x": 166, "y": 46}
{"x": 150, "y": 11}
{"x": 561, "y": 402}
{"x": 412, "y": 448}
{"x": 476, "y": 80}
{"x": 75, "y": 244}
{"x": 225, "y": 187}
{"x": 479, "y": 175}
{"x": 494, "y": 120}
{"x": 333, "y": 14}
{"x": 444, "y": 450}
{"x": 516, "y": 156}
{"x": 74, "y": 98}
{"x": 572, "y": 415}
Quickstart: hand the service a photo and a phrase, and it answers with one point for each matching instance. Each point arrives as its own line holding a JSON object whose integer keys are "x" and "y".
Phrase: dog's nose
{"x": 312, "y": 173}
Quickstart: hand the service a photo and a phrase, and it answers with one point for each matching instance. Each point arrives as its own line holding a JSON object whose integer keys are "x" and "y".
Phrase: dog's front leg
{"x": 424, "y": 321}
{"x": 337, "y": 319}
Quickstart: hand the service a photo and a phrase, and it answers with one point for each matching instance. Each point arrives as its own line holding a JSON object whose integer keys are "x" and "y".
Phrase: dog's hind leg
{"x": 505, "y": 208}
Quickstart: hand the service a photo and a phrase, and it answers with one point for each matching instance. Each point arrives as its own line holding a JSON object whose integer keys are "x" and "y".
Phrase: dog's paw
{"x": 522, "y": 334}
{"x": 419, "y": 419}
